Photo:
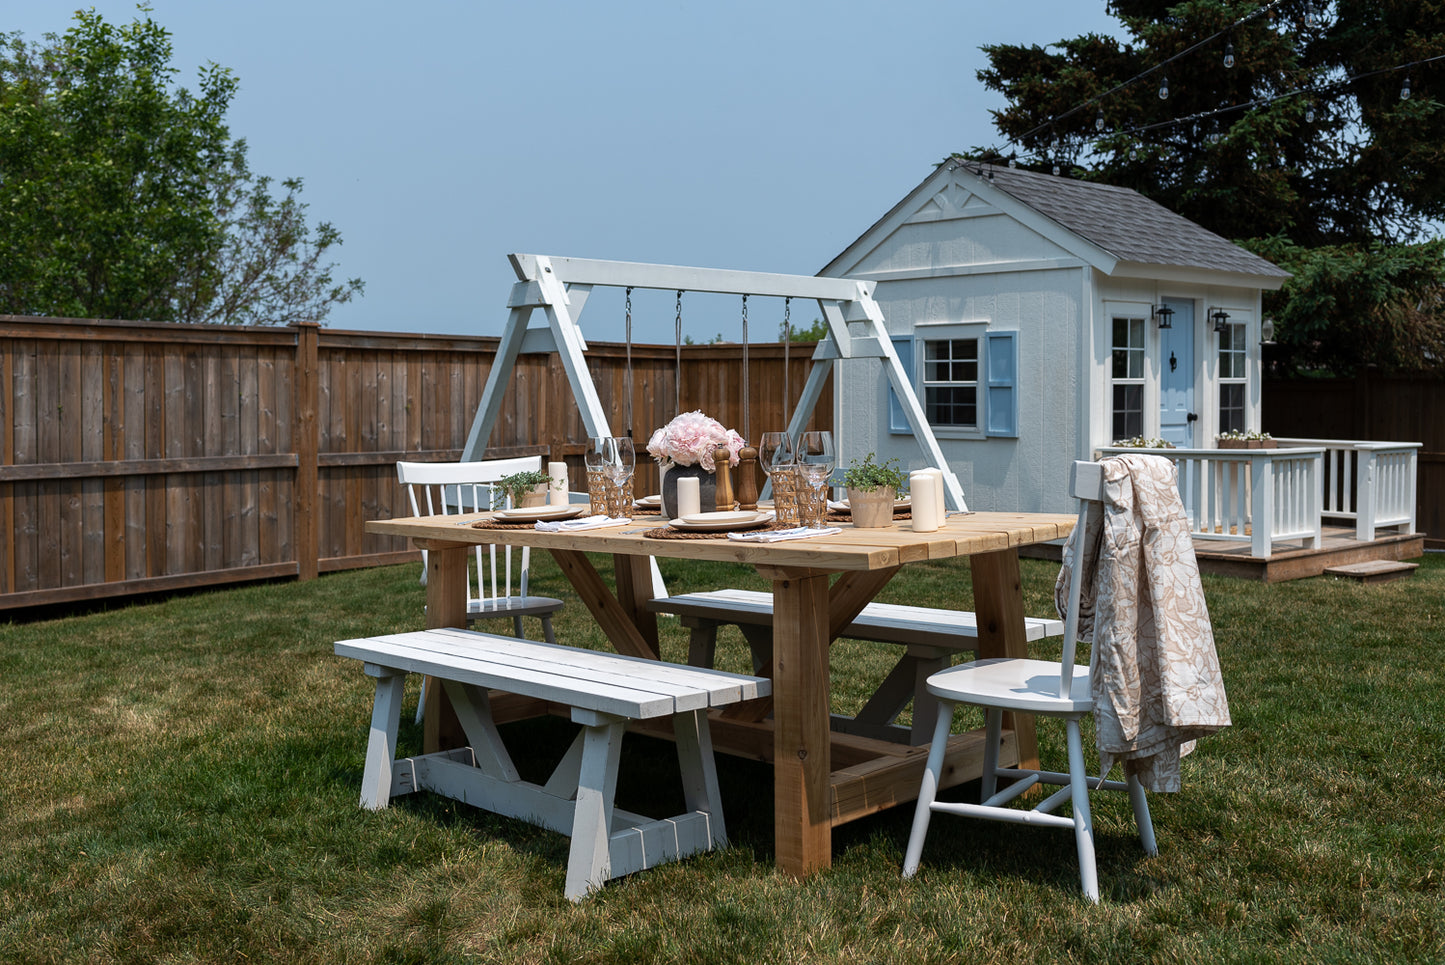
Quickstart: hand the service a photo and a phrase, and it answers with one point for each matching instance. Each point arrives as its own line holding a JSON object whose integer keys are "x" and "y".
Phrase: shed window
{"x": 1127, "y": 371}
{"x": 1232, "y": 369}
{"x": 965, "y": 378}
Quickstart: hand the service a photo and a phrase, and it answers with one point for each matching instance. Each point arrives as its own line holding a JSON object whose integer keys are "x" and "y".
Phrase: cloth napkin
{"x": 778, "y": 535}
{"x": 586, "y": 522}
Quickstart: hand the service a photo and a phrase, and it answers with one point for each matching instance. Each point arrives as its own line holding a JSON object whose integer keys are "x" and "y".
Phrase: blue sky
{"x": 440, "y": 135}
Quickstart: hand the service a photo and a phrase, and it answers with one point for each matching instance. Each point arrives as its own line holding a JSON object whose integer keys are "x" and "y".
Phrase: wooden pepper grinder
{"x": 720, "y": 459}
{"x": 748, "y": 479}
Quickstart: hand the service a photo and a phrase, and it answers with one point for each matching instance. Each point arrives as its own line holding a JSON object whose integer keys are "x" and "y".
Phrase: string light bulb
{"x": 1164, "y": 88}
{"x": 1056, "y": 169}
{"x": 1405, "y": 89}
{"x": 1099, "y": 120}
{"x": 1228, "y": 56}
{"x": 1310, "y": 114}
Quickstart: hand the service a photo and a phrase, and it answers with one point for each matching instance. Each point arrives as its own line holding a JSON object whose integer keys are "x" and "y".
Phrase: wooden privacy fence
{"x": 1375, "y": 407}
{"x": 141, "y": 457}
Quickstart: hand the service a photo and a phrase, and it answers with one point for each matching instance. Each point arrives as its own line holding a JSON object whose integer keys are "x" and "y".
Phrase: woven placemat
{"x": 667, "y": 532}
{"x": 498, "y": 524}
{"x": 848, "y": 517}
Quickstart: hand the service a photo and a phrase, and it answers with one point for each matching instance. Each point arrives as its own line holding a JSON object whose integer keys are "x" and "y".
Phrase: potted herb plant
{"x": 1235, "y": 439}
{"x": 526, "y": 488}
{"x": 872, "y": 487}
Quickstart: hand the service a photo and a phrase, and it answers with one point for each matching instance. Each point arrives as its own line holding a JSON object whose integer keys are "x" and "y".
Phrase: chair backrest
{"x": 449, "y": 488}
{"x": 1086, "y": 484}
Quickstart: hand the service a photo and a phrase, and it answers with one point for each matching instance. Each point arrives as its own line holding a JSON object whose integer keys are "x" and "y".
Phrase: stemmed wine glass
{"x": 775, "y": 454}
{"x": 596, "y": 461}
{"x": 815, "y": 457}
{"x": 621, "y": 461}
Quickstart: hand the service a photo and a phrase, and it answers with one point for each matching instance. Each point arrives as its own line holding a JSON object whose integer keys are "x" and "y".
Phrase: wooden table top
{"x": 851, "y": 549}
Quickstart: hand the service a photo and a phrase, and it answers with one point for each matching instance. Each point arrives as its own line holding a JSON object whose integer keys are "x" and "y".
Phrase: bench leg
{"x": 699, "y": 770}
{"x": 589, "y": 863}
{"x": 474, "y": 712}
{"x": 702, "y": 645}
{"x": 381, "y": 745}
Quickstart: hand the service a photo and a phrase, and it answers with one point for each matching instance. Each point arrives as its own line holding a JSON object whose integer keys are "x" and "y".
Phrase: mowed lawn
{"x": 180, "y": 784}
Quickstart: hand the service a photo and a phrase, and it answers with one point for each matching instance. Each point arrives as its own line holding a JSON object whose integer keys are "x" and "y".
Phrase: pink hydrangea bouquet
{"x": 690, "y": 440}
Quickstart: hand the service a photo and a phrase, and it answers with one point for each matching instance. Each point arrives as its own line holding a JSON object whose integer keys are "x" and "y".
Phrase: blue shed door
{"x": 1176, "y": 387}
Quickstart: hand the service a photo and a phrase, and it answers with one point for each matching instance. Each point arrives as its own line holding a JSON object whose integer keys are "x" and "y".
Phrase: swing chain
{"x": 787, "y": 343}
{"x": 677, "y": 349}
{"x": 745, "y": 368}
{"x": 629, "y": 361}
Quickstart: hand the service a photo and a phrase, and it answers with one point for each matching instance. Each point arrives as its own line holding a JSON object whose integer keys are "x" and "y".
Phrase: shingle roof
{"x": 1125, "y": 223}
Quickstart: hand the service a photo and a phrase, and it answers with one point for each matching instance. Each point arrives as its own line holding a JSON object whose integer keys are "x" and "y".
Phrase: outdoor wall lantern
{"x": 1221, "y": 320}
{"x": 1266, "y": 331}
{"x": 1164, "y": 315}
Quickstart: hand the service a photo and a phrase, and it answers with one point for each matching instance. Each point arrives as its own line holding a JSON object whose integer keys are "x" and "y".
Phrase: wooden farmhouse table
{"x": 821, "y": 778}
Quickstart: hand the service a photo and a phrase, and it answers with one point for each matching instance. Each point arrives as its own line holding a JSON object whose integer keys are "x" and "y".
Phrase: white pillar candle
{"x": 939, "y": 495}
{"x": 923, "y": 488}
{"x": 689, "y": 496}
{"x": 557, "y": 492}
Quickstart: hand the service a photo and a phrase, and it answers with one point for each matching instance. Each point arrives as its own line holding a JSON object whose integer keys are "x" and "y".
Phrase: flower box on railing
{"x": 1248, "y": 443}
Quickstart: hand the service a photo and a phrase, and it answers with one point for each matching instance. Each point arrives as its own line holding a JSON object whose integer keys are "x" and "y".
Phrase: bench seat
{"x": 931, "y": 637}
{"x": 604, "y": 690}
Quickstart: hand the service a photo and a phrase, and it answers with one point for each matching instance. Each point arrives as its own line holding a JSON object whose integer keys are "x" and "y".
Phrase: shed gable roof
{"x": 1125, "y": 223}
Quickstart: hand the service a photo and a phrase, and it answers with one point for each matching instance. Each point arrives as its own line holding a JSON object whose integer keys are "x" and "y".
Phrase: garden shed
{"x": 1041, "y": 318}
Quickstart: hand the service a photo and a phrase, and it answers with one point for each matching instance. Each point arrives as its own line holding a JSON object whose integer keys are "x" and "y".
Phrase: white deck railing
{"x": 1253, "y": 496}
{"x": 1372, "y": 483}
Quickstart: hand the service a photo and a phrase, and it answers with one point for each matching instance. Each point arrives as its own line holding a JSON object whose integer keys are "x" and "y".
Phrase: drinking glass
{"x": 815, "y": 459}
{"x": 621, "y": 462}
{"x": 596, "y": 461}
{"x": 775, "y": 454}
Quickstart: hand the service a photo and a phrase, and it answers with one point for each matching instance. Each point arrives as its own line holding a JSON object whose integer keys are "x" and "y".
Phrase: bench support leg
{"x": 381, "y": 745}
{"x": 589, "y": 863}
{"x": 699, "y": 770}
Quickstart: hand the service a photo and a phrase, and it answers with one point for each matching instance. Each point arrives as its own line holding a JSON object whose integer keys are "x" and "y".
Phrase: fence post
{"x": 1262, "y": 505}
{"x": 1366, "y": 496}
{"x": 308, "y": 470}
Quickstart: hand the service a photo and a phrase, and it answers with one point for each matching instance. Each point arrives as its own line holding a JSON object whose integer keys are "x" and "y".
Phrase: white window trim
{"x": 1147, "y": 379}
{"x": 929, "y": 331}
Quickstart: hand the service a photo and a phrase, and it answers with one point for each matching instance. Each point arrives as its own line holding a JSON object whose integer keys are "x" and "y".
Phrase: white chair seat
{"x": 1031, "y": 686}
{"x": 513, "y": 606}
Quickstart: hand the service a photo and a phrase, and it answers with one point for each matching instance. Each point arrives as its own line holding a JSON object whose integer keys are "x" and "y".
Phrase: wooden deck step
{"x": 1374, "y": 571}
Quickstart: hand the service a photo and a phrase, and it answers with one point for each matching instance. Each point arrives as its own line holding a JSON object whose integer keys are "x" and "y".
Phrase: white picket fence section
{"x": 1372, "y": 483}
{"x": 1258, "y": 496}
{"x": 1253, "y": 496}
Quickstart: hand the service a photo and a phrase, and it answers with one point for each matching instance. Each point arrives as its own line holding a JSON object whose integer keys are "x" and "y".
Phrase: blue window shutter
{"x": 1002, "y": 361}
{"x": 897, "y": 417}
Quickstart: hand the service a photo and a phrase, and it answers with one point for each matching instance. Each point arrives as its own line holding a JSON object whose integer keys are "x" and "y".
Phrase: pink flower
{"x": 691, "y": 438}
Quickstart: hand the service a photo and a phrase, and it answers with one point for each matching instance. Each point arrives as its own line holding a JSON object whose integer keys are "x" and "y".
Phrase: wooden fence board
{"x": 146, "y": 456}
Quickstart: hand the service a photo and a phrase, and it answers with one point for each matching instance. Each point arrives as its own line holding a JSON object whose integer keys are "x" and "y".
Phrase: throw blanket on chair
{"x": 1156, "y": 682}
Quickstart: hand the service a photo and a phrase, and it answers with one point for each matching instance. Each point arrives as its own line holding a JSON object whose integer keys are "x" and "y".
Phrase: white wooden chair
{"x": 445, "y": 488}
{"x": 1046, "y": 689}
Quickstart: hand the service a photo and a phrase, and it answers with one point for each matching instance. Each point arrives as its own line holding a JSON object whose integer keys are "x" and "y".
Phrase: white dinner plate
{"x": 534, "y": 513}
{"x": 648, "y": 502}
{"x": 713, "y": 522}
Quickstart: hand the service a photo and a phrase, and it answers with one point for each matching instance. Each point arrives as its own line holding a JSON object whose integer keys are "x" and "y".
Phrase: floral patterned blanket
{"x": 1155, "y": 675}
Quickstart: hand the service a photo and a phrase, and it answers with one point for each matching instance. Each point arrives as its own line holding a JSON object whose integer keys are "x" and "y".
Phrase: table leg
{"x": 446, "y": 606}
{"x": 801, "y": 740}
{"x": 634, "y": 589}
{"x": 998, "y": 599}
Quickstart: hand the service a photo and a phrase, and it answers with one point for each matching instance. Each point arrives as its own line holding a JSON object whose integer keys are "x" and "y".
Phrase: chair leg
{"x": 517, "y": 630}
{"x": 993, "y": 736}
{"x": 1083, "y": 820}
{"x": 547, "y": 633}
{"x": 1141, "y": 815}
{"x": 928, "y": 789}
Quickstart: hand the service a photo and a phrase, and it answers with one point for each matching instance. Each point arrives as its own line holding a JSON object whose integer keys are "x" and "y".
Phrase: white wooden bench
{"x": 604, "y": 690}
{"x": 931, "y": 637}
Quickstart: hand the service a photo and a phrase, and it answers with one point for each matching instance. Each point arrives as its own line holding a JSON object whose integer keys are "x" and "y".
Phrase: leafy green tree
{"x": 124, "y": 196}
{"x": 1287, "y": 131}
{"x": 815, "y": 332}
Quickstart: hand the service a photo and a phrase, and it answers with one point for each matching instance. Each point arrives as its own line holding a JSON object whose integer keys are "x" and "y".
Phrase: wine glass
{"x": 621, "y": 462}
{"x": 815, "y": 459}
{"x": 596, "y": 462}
{"x": 775, "y": 450}
{"x": 775, "y": 454}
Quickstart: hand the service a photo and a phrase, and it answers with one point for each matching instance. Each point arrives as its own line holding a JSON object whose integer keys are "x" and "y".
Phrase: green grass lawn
{"x": 180, "y": 783}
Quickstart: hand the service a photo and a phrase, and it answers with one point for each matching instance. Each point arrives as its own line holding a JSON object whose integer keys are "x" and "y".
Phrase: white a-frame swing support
{"x": 560, "y": 286}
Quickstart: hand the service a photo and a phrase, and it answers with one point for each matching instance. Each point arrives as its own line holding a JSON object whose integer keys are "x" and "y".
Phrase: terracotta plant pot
{"x": 537, "y": 497}
{"x": 871, "y": 510}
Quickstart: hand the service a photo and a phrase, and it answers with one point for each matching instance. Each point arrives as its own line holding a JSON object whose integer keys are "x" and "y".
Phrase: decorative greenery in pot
{"x": 523, "y": 487}
{"x": 1139, "y": 442}
{"x": 1236, "y": 439}
{"x": 872, "y": 487}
